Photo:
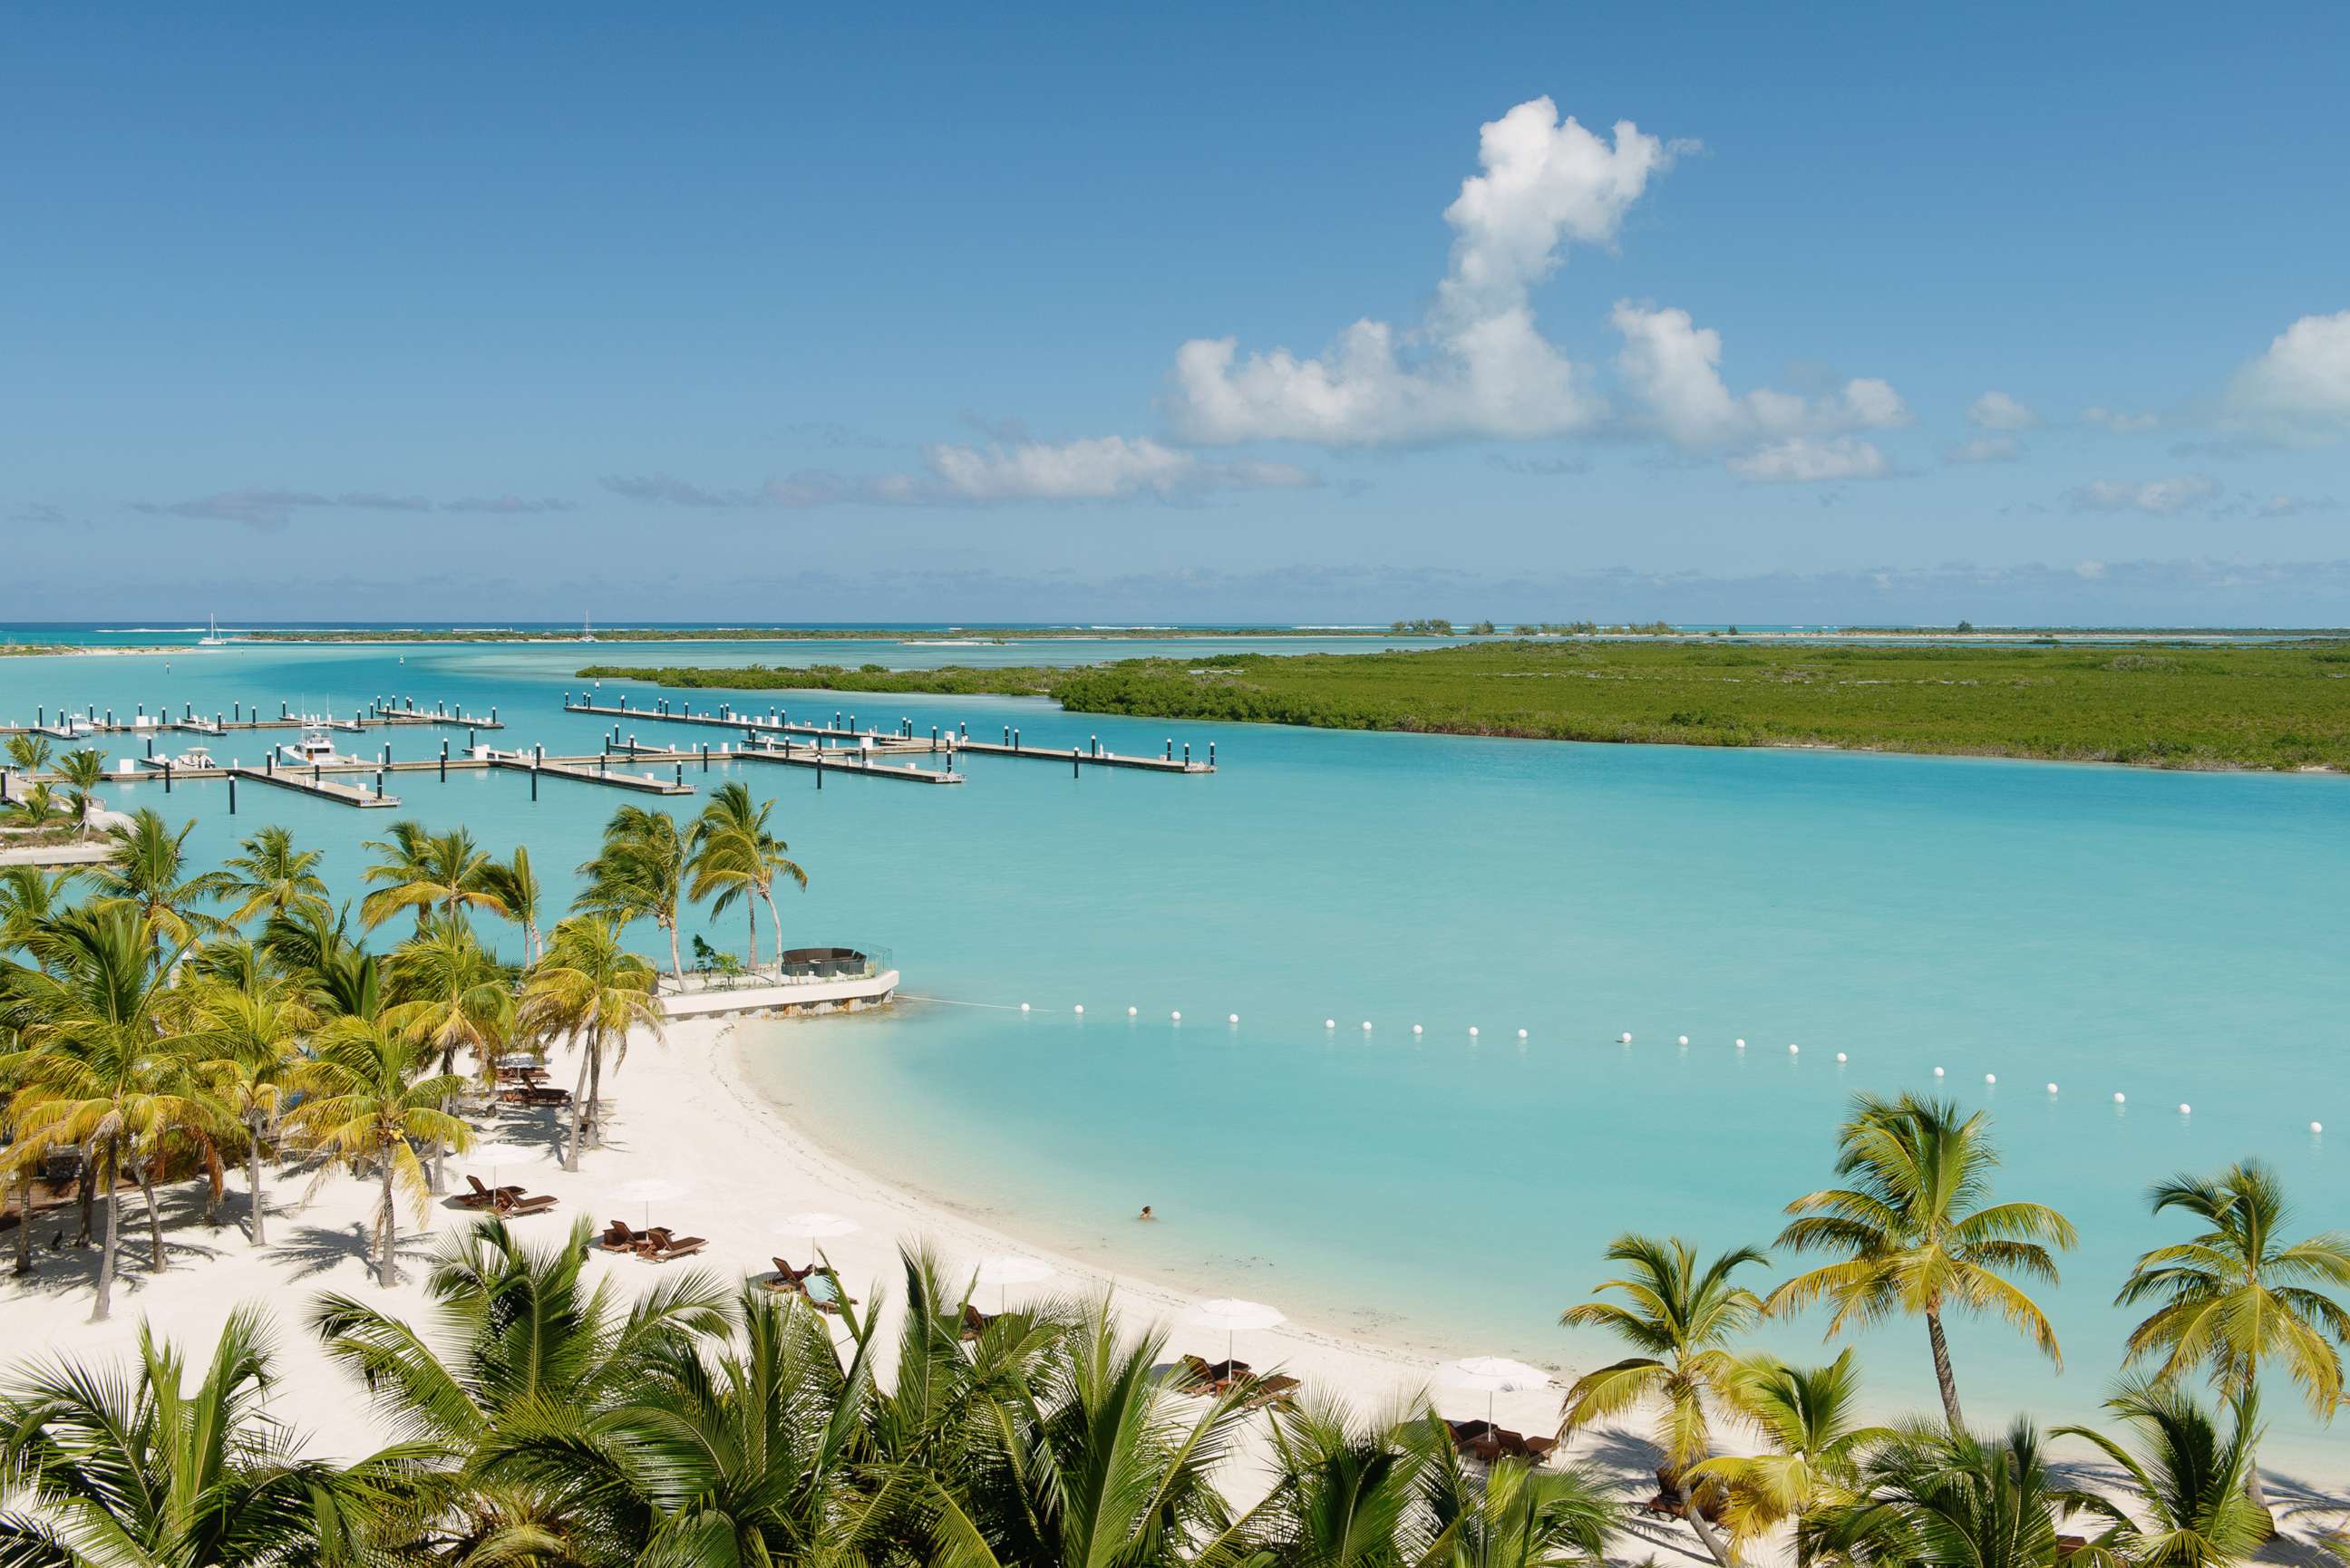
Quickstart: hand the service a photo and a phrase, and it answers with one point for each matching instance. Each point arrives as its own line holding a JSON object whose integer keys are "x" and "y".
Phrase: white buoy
{"x": 1231, "y": 1018}
{"x": 2051, "y": 1088}
{"x": 1081, "y": 1007}
{"x": 2185, "y": 1109}
{"x": 1366, "y": 1026}
{"x": 1795, "y": 1050}
{"x": 1623, "y": 1040}
{"x": 1329, "y": 1023}
{"x": 1990, "y": 1077}
{"x": 1741, "y": 1044}
{"x": 1132, "y": 1011}
{"x": 2317, "y": 1127}
{"x": 1521, "y": 1033}
{"x": 1938, "y": 1072}
{"x": 1416, "y": 1030}
{"x": 2120, "y": 1098}
{"x": 1842, "y": 1058}
{"x": 1024, "y": 1007}
{"x": 1473, "y": 1032}
{"x": 1175, "y": 1017}
{"x": 1684, "y": 1039}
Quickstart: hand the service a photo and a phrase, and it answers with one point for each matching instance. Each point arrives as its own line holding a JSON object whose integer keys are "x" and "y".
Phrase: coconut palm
{"x": 423, "y": 872}
{"x": 146, "y": 1470}
{"x": 641, "y": 870}
{"x": 368, "y": 1097}
{"x": 451, "y": 993}
{"x": 340, "y": 977}
{"x": 83, "y": 771}
{"x": 1916, "y": 1235}
{"x": 1513, "y": 1515}
{"x": 1938, "y": 1496}
{"x": 101, "y": 1062}
{"x": 2242, "y": 1294}
{"x": 29, "y": 896}
{"x": 590, "y": 990}
{"x": 1808, "y": 1416}
{"x": 2188, "y": 1504}
{"x": 735, "y": 857}
{"x": 28, "y": 752}
{"x": 250, "y": 1036}
{"x": 516, "y": 1329}
{"x": 269, "y": 877}
{"x": 516, "y": 888}
{"x": 1682, "y": 1317}
{"x": 36, "y": 808}
{"x": 146, "y": 867}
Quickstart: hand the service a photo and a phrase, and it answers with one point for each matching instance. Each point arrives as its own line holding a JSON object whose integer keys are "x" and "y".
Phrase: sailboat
{"x": 212, "y": 638}
{"x": 587, "y": 630}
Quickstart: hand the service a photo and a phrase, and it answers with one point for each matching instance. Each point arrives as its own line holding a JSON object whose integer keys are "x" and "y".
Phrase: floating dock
{"x": 823, "y": 760}
{"x": 380, "y": 714}
{"x": 318, "y": 785}
{"x": 580, "y": 770}
{"x": 753, "y": 726}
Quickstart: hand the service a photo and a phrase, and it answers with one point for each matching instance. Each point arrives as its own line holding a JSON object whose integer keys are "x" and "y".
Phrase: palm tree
{"x": 253, "y": 1038}
{"x": 516, "y": 888}
{"x": 366, "y": 1097}
{"x": 639, "y": 871}
{"x": 342, "y": 979}
{"x": 146, "y": 1470}
{"x": 37, "y": 807}
{"x": 516, "y": 1329}
{"x": 146, "y": 867}
{"x": 83, "y": 771}
{"x": 1938, "y": 1496}
{"x": 272, "y": 877}
{"x": 101, "y": 1062}
{"x": 29, "y": 896}
{"x": 423, "y": 872}
{"x": 1915, "y": 1236}
{"x": 590, "y": 989}
{"x": 1808, "y": 1416}
{"x": 2190, "y": 1504}
{"x": 28, "y": 753}
{"x": 454, "y": 995}
{"x": 735, "y": 857}
{"x": 2241, "y": 1296}
{"x": 1514, "y": 1516}
{"x": 1682, "y": 1317}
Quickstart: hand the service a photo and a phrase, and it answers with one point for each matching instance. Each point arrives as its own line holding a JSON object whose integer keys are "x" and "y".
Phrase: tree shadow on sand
{"x": 314, "y": 1250}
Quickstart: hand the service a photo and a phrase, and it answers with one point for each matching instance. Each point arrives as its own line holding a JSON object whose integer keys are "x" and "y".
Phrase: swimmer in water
{"x": 1146, "y": 1213}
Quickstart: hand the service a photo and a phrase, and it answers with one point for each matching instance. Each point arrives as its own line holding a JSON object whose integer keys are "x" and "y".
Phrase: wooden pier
{"x": 586, "y": 770}
{"x": 316, "y": 785}
{"x": 822, "y": 759}
{"x": 752, "y": 726}
{"x": 72, "y": 727}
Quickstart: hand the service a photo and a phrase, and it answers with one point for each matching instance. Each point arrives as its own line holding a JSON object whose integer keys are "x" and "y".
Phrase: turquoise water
{"x": 2170, "y": 937}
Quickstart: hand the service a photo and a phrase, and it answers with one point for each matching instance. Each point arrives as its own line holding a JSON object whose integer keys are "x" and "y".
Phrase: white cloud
{"x": 2118, "y": 422}
{"x": 1103, "y": 468}
{"x": 1804, "y": 459}
{"x": 2303, "y": 382}
{"x": 2159, "y": 497}
{"x": 1995, "y": 411}
{"x": 1671, "y": 367}
{"x": 1477, "y": 366}
{"x": 1996, "y": 447}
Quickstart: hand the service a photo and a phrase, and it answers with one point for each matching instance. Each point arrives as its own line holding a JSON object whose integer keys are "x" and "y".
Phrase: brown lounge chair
{"x": 794, "y": 1282}
{"x": 787, "y": 1275}
{"x": 1486, "y": 1443}
{"x": 483, "y": 1197}
{"x": 1194, "y": 1375}
{"x": 618, "y": 1238}
{"x": 975, "y": 1322}
{"x": 512, "y": 1205}
{"x": 658, "y": 1246}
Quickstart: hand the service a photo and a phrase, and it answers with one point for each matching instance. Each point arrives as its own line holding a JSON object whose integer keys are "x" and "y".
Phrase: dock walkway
{"x": 752, "y": 725}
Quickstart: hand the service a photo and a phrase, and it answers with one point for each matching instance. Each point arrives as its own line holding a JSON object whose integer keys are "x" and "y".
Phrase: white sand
{"x": 679, "y": 1111}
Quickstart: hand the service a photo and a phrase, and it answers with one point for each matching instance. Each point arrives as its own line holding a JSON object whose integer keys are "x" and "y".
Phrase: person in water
{"x": 1146, "y": 1213}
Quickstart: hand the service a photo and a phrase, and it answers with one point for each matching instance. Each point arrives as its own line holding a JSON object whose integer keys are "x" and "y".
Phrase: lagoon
{"x": 2169, "y": 937}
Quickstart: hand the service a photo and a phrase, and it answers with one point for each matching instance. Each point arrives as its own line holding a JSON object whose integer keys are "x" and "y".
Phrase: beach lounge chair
{"x": 1193, "y": 1376}
{"x": 618, "y": 1238}
{"x": 483, "y": 1197}
{"x": 512, "y": 1205}
{"x": 658, "y": 1246}
{"x": 784, "y": 1271}
{"x": 975, "y": 1322}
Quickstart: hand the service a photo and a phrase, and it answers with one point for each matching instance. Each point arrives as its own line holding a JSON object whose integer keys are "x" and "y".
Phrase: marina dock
{"x": 777, "y": 723}
{"x": 588, "y": 770}
{"x": 378, "y": 714}
{"x": 822, "y": 759}
{"x": 316, "y": 785}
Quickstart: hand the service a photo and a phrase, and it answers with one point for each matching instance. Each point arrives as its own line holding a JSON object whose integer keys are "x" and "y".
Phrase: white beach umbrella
{"x": 1494, "y": 1375}
{"x": 500, "y": 1155}
{"x": 1232, "y": 1314}
{"x": 1010, "y": 1269}
{"x": 817, "y": 1224}
{"x": 649, "y": 1190}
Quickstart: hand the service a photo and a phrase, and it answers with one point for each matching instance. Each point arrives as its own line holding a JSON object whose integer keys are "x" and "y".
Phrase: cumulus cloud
{"x": 1099, "y": 468}
{"x": 2158, "y": 497}
{"x": 270, "y": 510}
{"x": 1807, "y": 460}
{"x": 1476, "y": 366}
{"x": 1995, "y": 411}
{"x": 2302, "y": 384}
{"x": 1995, "y": 447}
{"x": 2119, "y": 422}
{"x": 1672, "y": 366}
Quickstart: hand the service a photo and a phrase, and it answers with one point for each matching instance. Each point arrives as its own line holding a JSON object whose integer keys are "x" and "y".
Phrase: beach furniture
{"x": 618, "y": 1238}
{"x": 512, "y": 1205}
{"x": 975, "y": 1322}
{"x": 1486, "y": 1443}
{"x": 483, "y": 1197}
{"x": 785, "y": 1272}
{"x": 657, "y": 1246}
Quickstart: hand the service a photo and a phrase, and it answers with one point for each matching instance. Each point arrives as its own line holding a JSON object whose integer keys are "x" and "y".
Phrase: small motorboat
{"x": 315, "y": 749}
{"x": 194, "y": 757}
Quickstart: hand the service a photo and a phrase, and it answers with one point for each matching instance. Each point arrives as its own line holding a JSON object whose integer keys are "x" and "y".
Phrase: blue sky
{"x": 1828, "y": 313}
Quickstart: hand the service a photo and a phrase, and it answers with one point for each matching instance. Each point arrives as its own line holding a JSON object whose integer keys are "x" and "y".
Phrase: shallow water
{"x": 2170, "y": 937}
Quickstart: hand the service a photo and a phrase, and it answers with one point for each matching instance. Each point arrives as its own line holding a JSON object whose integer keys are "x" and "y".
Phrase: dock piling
{"x": 444, "y": 761}
{"x": 231, "y": 794}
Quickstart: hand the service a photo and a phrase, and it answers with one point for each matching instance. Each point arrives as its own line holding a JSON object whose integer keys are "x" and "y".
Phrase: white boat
{"x": 212, "y": 638}
{"x": 586, "y": 630}
{"x": 194, "y": 757}
{"x": 315, "y": 749}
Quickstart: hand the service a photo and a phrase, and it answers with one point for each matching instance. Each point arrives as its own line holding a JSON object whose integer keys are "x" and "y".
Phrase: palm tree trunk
{"x": 1706, "y": 1536}
{"x": 155, "y": 1263}
{"x": 776, "y": 920}
{"x": 105, "y": 1303}
{"x": 86, "y": 1195}
{"x": 578, "y": 1116}
{"x": 25, "y": 1222}
{"x": 253, "y": 1180}
{"x": 676, "y": 964}
{"x": 387, "y": 1227}
{"x": 1942, "y": 1374}
{"x": 750, "y": 952}
{"x": 595, "y": 1087}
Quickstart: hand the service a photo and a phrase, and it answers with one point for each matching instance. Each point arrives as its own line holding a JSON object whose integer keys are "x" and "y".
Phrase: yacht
{"x": 315, "y": 749}
{"x": 212, "y": 638}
